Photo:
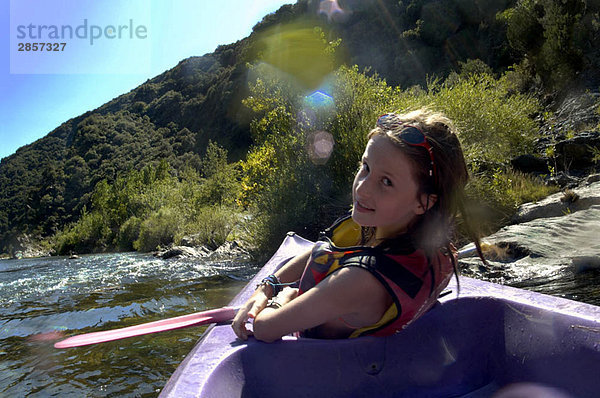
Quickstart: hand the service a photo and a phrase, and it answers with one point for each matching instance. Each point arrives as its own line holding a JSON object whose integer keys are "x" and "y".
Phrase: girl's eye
{"x": 387, "y": 182}
{"x": 364, "y": 166}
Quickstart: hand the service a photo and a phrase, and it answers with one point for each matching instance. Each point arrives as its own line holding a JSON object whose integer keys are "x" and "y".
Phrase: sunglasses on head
{"x": 410, "y": 135}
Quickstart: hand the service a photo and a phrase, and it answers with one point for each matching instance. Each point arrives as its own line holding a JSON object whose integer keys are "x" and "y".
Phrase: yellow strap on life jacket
{"x": 346, "y": 234}
{"x": 390, "y": 314}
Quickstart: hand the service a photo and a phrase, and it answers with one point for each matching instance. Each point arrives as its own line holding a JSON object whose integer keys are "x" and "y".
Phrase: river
{"x": 42, "y": 299}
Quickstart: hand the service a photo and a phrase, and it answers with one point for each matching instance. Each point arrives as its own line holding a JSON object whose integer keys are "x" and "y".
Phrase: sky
{"x": 111, "y": 47}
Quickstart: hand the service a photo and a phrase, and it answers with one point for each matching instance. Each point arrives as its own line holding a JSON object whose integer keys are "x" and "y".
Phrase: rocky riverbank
{"x": 568, "y": 149}
{"x": 28, "y": 246}
{"x": 188, "y": 249}
{"x": 562, "y": 228}
{"x": 551, "y": 243}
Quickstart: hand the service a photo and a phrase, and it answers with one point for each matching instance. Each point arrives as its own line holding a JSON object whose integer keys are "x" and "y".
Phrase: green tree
{"x": 544, "y": 31}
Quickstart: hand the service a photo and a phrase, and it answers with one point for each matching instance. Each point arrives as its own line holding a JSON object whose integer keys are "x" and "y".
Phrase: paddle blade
{"x": 196, "y": 319}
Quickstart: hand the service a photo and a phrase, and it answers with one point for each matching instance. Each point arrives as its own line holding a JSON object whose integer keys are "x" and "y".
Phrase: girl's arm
{"x": 290, "y": 272}
{"x": 293, "y": 269}
{"x": 348, "y": 293}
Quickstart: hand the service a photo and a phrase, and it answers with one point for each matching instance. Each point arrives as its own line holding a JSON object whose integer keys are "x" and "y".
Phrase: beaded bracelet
{"x": 275, "y": 284}
{"x": 272, "y": 281}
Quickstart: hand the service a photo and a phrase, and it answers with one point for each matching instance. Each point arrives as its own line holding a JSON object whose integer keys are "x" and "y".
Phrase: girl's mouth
{"x": 362, "y": 209}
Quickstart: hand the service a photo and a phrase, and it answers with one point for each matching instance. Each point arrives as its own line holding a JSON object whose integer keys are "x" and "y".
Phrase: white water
{"x": 43, "y": 299}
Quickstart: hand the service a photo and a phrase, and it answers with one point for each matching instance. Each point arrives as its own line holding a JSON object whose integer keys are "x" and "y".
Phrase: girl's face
{"x": 384, "y": 191}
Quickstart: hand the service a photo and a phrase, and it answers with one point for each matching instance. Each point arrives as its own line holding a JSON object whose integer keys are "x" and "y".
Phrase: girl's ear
{"x": 427, "y": 201}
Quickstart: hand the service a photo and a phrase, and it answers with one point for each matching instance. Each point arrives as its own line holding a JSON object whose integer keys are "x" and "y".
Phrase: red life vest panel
{"x": 412, "y": 280}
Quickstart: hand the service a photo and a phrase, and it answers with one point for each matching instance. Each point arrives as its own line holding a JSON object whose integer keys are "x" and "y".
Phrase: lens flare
{"x": 297, "y": 50}
{"x": 332, "y": 10}
{"x": 319, "y": 99}
{"x": 320, "y": 147}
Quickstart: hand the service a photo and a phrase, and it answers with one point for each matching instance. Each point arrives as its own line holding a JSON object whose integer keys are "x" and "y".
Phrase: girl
{"x": 376, "y": 271}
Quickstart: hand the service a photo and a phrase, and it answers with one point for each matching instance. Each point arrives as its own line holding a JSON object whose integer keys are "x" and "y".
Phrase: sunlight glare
{"x": 320, "y": 147}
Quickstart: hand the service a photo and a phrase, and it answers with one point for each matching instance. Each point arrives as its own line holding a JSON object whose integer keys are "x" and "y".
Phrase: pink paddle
{"x": 199, "y": 318}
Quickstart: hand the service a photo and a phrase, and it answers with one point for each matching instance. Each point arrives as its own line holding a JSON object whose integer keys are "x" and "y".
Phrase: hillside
{"x": 45, "y": 185}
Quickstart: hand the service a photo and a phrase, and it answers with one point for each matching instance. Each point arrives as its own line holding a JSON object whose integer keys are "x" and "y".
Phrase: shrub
{"x": 440, "y": 20}
{"x": 90, "y": 233}
{"x": 220, "y": 185}
{"x": 286, "y": 191}
{"x": 129, "y": 233}
{"x": 144, "y": 209}
{"x": 159, "y": 229}
{"x": 212, "y": 225}
{"x": 496, "y": 195}
{"x": 494, "y": 125}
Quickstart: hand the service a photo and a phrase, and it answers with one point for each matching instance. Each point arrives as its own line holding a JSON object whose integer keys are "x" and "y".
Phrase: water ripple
{"x": 58, "y": 297}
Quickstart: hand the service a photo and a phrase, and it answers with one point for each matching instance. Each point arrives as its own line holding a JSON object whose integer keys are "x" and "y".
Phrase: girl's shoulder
{"x": 343, "y": 233}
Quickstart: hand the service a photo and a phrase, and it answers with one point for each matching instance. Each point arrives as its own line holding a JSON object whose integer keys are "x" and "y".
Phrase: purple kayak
{"x": 472, "y": 345}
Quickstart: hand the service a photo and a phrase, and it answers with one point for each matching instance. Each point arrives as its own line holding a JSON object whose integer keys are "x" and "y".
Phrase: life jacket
{"x": 413, "y": 281}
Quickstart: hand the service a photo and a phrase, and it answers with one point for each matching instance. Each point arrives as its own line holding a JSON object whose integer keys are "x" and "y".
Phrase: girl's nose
{"x": 363, "y": 187}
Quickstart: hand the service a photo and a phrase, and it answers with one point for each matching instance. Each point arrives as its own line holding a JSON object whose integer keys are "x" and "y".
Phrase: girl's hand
{"x": 291, "y": 271}
{"x": 255, "y": 304}
{"x": 287, "y": 295}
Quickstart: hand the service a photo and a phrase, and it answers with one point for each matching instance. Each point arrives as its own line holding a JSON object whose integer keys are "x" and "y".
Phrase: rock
{"x": 183, "y": 252}
{"x": 552, "y": 246}
{"x": 556, "y": 204}
{"x": 529, "y": 164}
{"x": 585, "y": 263}
{"x": 547, "y": 241}
{"x": 230, "y": 249}
{"x": 191, "y": 240}
{"x": 592, "y": 178}
{"x": 29, "y": 247}
{"x": 578, "y": 112}
{"x": 578, "y": 152}
{"x": 566, "y": 241}
{"x": 572, "y": 133}
{"x": 563, "y": 180}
